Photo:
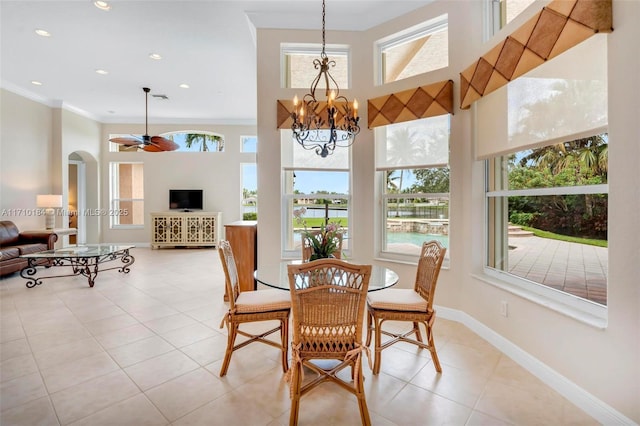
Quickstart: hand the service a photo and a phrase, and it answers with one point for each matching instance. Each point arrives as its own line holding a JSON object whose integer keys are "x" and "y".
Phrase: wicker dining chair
{"x": 307, "y": 245}
{"x": 328, "y": 298}
{"x": 410, "y": 305}
{"x": 252, "y": 306}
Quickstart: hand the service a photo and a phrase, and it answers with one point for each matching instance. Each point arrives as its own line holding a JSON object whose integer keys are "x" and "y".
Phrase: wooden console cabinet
{"x": 243, "y": 238}
{"x": 185, "y": 229}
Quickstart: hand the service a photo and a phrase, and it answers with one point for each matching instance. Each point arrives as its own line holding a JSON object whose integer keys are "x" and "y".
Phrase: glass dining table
{"x": 276, "y": 275}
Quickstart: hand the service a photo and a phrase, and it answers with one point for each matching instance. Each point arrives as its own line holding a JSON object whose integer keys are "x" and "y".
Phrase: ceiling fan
{"x": 148, "y": 143}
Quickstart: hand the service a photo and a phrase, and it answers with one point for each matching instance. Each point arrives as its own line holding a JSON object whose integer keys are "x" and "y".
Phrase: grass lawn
{"x": 316, "y": 222}
{"x": 552, "y": 236}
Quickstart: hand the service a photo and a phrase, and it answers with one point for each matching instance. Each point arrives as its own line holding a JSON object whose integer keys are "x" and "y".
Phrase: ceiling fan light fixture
{"x": 148, "y": 143}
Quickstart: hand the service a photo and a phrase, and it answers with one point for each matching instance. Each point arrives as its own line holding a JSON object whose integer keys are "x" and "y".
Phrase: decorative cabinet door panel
{"x": 185, "y": 229}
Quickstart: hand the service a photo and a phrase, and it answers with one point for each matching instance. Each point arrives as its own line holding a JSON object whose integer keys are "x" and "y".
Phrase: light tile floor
{"x": 146, "y": 349}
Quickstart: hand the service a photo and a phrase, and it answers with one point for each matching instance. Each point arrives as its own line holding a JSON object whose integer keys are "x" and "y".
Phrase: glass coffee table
{"x": 86, "y": 260}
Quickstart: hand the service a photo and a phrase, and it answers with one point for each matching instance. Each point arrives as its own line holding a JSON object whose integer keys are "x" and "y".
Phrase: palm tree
{"x": 204, "y": 139}
{"x": 401, "y": 150}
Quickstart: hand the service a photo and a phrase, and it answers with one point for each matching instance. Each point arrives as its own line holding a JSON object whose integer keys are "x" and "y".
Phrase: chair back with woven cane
{"x": 412, "y": 306}
{"x": 328, "y": 299}
{"x": 307, "y": 245}
{"x": 252, "y": 306}
{"x": 231, "y": 280}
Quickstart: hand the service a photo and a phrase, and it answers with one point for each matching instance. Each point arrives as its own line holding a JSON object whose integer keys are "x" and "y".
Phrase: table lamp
{"x": 49, "y": 202}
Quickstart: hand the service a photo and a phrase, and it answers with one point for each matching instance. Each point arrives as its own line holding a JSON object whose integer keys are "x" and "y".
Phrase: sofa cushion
{"x": 31, "y": 248}
{"x": 7, "y": 253}
{"x": 9, "y": 233}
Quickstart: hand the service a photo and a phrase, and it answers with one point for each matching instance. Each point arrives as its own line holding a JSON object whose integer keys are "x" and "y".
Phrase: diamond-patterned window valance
{"x": 559, "y": 26}
{"x": 422, "y": 102}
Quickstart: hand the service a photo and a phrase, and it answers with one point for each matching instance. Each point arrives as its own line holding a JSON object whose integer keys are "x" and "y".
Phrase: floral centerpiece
{"x": 323, "y": 241}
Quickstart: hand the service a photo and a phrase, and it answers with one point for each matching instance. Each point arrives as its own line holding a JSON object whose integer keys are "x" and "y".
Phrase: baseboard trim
{"x": 591, "y": 405}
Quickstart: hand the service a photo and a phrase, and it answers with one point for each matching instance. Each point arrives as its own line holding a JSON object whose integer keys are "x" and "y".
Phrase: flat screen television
{"x": 185, "y": 199}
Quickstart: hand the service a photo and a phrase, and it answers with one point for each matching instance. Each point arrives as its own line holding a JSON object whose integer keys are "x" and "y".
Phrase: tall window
{"x": 249, "y": 175}
{"x": 126, "y": 193}
{"x": 412, "y": 160}
{"x": 319, "y": 185}
{"x": 298, "y": 70}
{"x": 545, "y": 139}
{"x": 417, "y": 50}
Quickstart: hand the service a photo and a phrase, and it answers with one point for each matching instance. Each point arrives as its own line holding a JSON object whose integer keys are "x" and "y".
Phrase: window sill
{"x": 573, "y": 307}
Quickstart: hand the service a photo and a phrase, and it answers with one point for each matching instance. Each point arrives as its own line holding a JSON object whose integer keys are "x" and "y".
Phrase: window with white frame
{"x": 414, "y": 51}
{"x": 298, "y": 68}
{"x": 249, "y": 177}
{"x": 126, "y": 194}
{"x": 546, "y": 184}
{"x": 412, "y": 161}
{"x": 501, "y": 12}
{"x": 319, "y": 185}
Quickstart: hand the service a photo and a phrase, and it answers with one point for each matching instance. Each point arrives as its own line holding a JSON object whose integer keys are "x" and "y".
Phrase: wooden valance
{"x": 559, "y": 26}
{"x": 425, "y": 101}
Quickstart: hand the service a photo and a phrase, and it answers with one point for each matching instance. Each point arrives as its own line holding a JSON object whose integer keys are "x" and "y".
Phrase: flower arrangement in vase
{"x": 323, "y": 242}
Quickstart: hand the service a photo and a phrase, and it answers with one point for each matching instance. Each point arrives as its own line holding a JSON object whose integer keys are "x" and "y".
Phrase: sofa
{"x": 14, "y": 243}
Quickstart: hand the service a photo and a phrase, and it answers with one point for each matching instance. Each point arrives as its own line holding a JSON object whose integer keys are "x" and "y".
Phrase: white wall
{"x": 603, "y": 363}
{"x": 217, "y": 173}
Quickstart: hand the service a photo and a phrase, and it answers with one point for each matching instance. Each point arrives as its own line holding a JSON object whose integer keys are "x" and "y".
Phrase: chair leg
{"x": 377, "y": 359}
{"x": 432, "y": 349}
{"x": 369, "y": 327}
{"x": 284, "y": 339}
{"x": 296, "y": 384}
{"x": 416, "y": 327}
{"x": 231, "y": 339}
{"x": 362, "y": 401}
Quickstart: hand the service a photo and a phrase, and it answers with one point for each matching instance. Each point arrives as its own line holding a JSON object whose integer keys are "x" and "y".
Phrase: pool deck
{"x": 577, "y": 269}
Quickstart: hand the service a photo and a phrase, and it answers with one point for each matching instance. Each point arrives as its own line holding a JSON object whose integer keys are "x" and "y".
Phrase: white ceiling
{"x": 207, "y": 44}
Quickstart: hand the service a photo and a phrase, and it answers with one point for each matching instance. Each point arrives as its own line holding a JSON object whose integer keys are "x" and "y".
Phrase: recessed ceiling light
{"x": 36, "y": 83}
{"x": 102, "y": 5}
{"x": 102, "y": 72}
{"x": 155, "y": 56}
{"x": 43, "y": 33}
{"x": 184, "y": 86}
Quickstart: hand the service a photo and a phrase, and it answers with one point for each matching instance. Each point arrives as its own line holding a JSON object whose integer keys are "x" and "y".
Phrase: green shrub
{"x": 524, "y": 219}
{"x": 250, "y": 216}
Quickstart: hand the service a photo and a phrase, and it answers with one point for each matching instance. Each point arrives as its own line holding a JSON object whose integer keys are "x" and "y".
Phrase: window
{"x": 501, "y": 12}
{"x": 298, "y": 69}
{"x": 412, "y": 163}
{"x": 188, "y": 141}
{"x": 248, "y": 144}
{"x": 547, "y": 210}
{"x": 320, "y": 185}
{"x": 249, "y": 191}
{"x": 126, "y": 189}
{"x": 544, "y": 136}
{"x": 417, "y": 50}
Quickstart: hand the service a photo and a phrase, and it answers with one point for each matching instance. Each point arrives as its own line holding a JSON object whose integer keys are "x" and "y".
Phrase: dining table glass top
{"x": 276, "y": 275}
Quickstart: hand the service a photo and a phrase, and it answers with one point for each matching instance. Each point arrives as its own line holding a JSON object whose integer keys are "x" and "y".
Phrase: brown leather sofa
{"x": 14, "y": 243}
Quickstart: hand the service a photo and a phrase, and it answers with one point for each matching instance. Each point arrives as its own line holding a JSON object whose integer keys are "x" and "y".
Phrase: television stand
{"x": 185, "y": 229}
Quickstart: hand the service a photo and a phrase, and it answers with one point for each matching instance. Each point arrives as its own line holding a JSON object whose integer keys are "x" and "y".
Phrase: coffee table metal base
{"x": 85, "y": 266}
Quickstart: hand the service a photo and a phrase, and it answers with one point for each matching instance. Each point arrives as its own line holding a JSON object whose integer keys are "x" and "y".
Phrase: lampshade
{"x": 49, "y": 200}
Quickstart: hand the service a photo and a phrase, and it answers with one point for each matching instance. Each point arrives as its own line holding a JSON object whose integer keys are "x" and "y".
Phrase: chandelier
{"x": 323, "y": 128}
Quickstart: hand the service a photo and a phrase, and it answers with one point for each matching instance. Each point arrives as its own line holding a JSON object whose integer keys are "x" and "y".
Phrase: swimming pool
{"x": 415, "y": 238}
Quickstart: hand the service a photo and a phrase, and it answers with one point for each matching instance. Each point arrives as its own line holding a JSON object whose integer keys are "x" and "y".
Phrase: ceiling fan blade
{"x": 126, "y": 141}
{"x": 164, "y": 144}
{"x": 152, "y": 148}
